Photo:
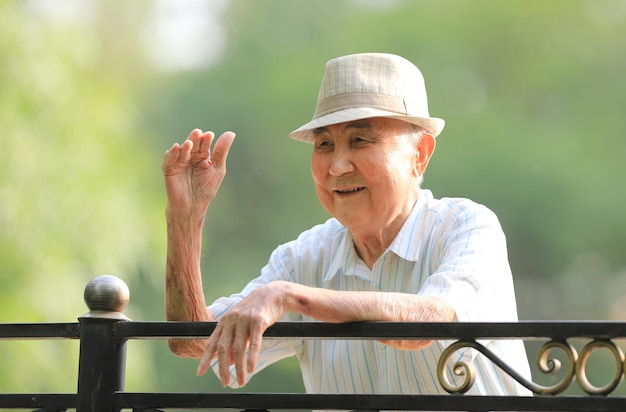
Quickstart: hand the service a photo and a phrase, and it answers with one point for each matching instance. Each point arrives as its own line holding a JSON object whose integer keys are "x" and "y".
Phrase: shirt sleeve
{"x": 471, "y": 268}
{"x": 272, "y": 350}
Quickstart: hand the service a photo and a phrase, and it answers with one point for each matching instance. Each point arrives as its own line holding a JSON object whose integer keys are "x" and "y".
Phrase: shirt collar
{"x": 346, "y": 260}
{"x": 407, "y": 243}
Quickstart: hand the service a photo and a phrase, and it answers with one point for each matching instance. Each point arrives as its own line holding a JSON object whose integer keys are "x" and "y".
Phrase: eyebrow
{"x": 358, "y": 124}
{"x": 361, "y": 124}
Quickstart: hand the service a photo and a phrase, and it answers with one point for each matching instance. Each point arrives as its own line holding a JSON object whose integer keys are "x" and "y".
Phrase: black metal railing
{"x": 104, "y": 331}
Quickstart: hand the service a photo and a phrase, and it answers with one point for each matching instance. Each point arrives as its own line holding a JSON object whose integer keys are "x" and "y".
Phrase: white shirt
{"x": 451, "y": 248}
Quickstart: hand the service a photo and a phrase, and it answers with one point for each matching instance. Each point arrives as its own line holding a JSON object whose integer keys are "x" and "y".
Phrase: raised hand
{"x": 193, "y": 173}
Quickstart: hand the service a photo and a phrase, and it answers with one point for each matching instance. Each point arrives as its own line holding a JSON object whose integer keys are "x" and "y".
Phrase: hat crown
{"x": 365, "y": 85}
{"x": 378, "y": 80}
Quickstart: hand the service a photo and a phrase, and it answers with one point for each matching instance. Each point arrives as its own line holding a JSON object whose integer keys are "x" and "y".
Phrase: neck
{"x": 371, "y": 243}
{"x": 372, "y": 248}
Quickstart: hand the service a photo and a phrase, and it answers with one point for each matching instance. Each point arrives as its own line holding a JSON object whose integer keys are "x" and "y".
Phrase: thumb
{"x": 221, "y": 149}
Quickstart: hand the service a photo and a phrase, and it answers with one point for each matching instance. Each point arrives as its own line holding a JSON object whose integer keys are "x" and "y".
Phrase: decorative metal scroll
{"x": 576, "y": 367}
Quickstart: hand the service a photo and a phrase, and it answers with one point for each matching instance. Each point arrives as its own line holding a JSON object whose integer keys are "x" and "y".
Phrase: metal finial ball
{"x": 107, "y": 293}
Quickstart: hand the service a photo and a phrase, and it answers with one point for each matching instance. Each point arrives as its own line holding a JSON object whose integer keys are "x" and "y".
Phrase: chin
{"x": 353, "y": 222}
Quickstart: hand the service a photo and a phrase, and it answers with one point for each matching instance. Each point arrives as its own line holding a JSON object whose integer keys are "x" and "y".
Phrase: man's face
{"x": 365, "y": 173}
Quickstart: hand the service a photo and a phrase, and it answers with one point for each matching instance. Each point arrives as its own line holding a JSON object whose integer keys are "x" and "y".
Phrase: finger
{"x": 239, "y": 354}
{"x": 224, "y": 348}
{"x": 204, "y": 143}
{"x": 187, "y": 146}
{"x": 221, "y": 149}
{"x": 196, "y": 137}
{"x": 170, "y": 158}
{"x": 208, "y": 356}
{"x": 256, "y": 338}
{"x": 185, "y": 154}
{"x": 205, "y": 361}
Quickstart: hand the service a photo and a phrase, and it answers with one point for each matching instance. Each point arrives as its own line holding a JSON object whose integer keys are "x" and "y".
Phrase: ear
{"x": 425, "y": 150}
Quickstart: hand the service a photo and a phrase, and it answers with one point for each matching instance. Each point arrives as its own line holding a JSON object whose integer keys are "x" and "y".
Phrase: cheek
{"x": 393, "y": 180}
{"x": 317, "y": 171}
{"x": 323, "y": 196}
{"x": 402, "y": 164}
{"x": 316, "y": 161}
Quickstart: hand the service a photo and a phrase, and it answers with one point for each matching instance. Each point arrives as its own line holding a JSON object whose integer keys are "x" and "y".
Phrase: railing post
{"x": 102, "y": 360}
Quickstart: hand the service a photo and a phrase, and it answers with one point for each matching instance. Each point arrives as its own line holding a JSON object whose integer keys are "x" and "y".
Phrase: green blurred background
{"x": 93, "y": 92}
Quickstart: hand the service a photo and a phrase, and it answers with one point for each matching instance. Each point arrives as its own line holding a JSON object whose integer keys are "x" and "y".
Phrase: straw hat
{"x": 360, "y": 86}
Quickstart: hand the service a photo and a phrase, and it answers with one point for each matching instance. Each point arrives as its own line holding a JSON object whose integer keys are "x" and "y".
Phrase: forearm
{"x": 193, "y": 174}
{"x": 347, "y": 306}
{"x": 184, "y": 296}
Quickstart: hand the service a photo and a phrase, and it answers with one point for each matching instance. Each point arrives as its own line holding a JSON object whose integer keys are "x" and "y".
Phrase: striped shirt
{"x": 451, "y": 248}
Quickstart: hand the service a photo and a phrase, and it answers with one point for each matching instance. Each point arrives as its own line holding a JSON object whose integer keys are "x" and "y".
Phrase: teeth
{"x": 350, "y": 190}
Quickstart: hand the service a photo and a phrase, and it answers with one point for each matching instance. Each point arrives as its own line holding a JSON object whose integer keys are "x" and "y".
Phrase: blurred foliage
{"x": 532, "y": 93}
{"x": 77, "y": 186}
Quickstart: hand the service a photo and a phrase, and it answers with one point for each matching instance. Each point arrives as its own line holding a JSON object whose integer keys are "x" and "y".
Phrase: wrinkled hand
{"x": 192, "y": 173}
{"x": 238, "y": 335}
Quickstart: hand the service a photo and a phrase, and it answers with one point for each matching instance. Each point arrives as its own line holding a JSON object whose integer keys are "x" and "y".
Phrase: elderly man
{"x": 390, "y": 252}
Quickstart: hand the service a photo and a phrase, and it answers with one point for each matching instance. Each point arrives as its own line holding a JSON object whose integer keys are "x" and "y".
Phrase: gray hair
{"x": 415, "y": 133}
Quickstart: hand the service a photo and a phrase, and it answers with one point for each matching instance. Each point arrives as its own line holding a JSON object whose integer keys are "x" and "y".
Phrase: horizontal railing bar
{"x": 390, "y": 330}
{"x": 38, "y": 400}
{"x": 39, "y": 331}
{"x": 369, "y": 402}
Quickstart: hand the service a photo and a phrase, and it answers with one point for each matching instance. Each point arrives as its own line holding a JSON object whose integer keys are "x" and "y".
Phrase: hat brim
{"x": 432, "y": 125}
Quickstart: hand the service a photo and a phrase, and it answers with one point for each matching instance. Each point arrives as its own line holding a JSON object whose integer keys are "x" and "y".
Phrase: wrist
{"x": 181, "y": 217}
{"x": 287, "y": 296}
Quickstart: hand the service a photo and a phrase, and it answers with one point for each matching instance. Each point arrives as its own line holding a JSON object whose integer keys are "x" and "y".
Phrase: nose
{"x": 341, "y": 162}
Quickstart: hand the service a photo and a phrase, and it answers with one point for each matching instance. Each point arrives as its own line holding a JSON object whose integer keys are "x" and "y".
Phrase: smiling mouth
{"x": 348, "y": 191}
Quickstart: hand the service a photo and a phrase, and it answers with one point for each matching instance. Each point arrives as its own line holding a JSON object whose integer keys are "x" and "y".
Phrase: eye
{"x": 360, "y": 140}
{"x": 322, "y": 144}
